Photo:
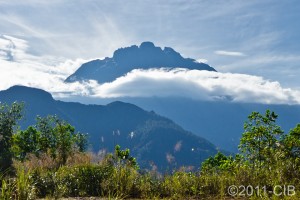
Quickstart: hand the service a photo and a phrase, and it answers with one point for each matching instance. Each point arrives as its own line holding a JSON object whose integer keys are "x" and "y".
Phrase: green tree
{"x": 291, "y": 143}
{"x": 217, "y": 163}
{"x": 291, "y": 151}
{"x": 25, "y": 142}
{"x": 58, "y": 138}
{"x": 65, "y": 140}
{"x": 81, "y": 141}
{"x": 122, "y": 158}
{"x": 260, "y": 138}
{"x": 50, "y": 135}
{"x": 9, "y": 116}
{"x": 47, "y": 140}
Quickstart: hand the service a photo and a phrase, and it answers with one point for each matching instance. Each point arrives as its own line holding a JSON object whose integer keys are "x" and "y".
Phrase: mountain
{"x": 145, "y": 56}
{"x": 153, "y": 139}
{"x": 221, "y": 122}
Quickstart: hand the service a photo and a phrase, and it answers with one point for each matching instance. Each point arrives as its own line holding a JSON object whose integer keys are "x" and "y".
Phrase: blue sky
{"x": 259, "y": 37}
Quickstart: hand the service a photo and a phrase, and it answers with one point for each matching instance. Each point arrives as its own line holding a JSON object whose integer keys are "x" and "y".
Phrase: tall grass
{"x": 81, "y": 177}
{"x": 17, "y": 188}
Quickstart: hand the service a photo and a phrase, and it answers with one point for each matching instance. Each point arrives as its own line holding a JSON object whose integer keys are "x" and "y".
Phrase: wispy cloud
{"x": 20, "y": 68}
{"x": 202, "y": 60}
{"x": 89, "y": 29}
{"x": 229, "y": 53}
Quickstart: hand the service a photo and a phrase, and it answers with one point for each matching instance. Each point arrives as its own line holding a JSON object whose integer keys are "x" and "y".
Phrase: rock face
{"x": 145, "y": 56}
{"x": 152, "y": 139}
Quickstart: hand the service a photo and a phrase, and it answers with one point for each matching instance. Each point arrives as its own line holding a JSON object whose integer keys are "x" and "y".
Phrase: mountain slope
{"x": 221, "y": 122}
{"x": 153, "y": 139}
{"x": 126, "y": 59}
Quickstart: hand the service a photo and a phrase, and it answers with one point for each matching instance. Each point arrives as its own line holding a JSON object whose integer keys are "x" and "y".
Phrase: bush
{"x": 82, "y": 180}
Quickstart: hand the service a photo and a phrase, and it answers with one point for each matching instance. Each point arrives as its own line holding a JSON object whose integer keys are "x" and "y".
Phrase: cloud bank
{"x": 48, "y": 73}
{"x": 201, "y": 85}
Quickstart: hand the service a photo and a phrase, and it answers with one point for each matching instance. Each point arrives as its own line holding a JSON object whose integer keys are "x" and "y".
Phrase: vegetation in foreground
{"x": 48, "y": 160}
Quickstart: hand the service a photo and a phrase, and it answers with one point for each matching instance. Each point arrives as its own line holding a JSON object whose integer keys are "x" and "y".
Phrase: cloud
{"x": 12, "y": 48}
{"x": 200, "y": 85}
{"x": 229, "y": 53}
{"x": 49, "y": 73}
{"x": 17, "y": 67}
{"x": 202, "y": 60}
{"x": 78, "y": 29}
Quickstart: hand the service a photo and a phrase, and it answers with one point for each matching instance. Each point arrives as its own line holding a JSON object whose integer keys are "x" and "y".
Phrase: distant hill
{"x": 153, "y": 139}
{"x": 221, "y": 122}
{"x": 145, "y": 56}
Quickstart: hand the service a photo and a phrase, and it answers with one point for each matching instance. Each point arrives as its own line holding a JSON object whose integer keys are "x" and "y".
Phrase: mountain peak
{"x": 144, "y": 56}
{"x": 20, "y": 93}
{"x": 147, "y": 45}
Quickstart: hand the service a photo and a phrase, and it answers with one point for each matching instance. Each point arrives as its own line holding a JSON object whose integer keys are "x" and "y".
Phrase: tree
{"x": 81, "y": 141}
{"x": 47, "y": 139}
{"x": 25, "y": 142}
{"x": 51, "y": 136}
{"x": 217, "y": 163}
{"x": 65, "y": 140}
{"x": 9, "y": 116}
{"x": 58, "y": 138}
{"x": 122, "y": 158}
{"x": 260, "y": 138}
{"x": 291, "y": 148}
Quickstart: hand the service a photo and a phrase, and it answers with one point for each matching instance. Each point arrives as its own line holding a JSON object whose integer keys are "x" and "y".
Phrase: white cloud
{"x": 49, "y": 73}
{"x": 201, "y": 85}
{"x": 12, "y": 48}
{"x": 19, "y": 68}
{"x": 202, "y": 60}
{"x": 229, "y": 53}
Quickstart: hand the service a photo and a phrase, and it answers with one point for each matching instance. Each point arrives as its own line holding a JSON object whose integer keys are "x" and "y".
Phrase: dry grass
{"x": 44, "y": 161}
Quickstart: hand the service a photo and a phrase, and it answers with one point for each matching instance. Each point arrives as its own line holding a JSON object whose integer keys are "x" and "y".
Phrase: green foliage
{"x": 25, "y": 142}
{"x": 181, "y": 185}
{"x": 81, "y": 141}
{"x": 268, "y": 158}
{"x": 218, "y": 162}
{"x": 121, "y": 182}
{"x": 260, "y": 139}
{"x": 50, "y": 135}
{"x": 290, "y": 148}
{"x": 9, "y": 116}
{"x": 122, "y": 157}
{"x": 24, "y": 187}
{"x": 82, "y": 180}
{"x": 291, "y": 143}
{"x": 18, "y": 188}
{"x": 7, "y": 189}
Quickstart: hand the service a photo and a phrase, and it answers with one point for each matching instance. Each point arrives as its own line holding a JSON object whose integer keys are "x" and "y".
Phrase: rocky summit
{"x": 145, "y": 56}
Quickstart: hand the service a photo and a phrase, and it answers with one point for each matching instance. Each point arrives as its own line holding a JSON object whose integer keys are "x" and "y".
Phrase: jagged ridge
{"x": 146, "y": 56}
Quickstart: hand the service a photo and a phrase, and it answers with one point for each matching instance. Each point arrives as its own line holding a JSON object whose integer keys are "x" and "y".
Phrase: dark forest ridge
{"x": 153, "y": 139}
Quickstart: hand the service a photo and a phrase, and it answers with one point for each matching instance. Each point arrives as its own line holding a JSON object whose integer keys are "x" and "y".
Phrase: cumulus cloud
{"x": 230, "y": 53}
